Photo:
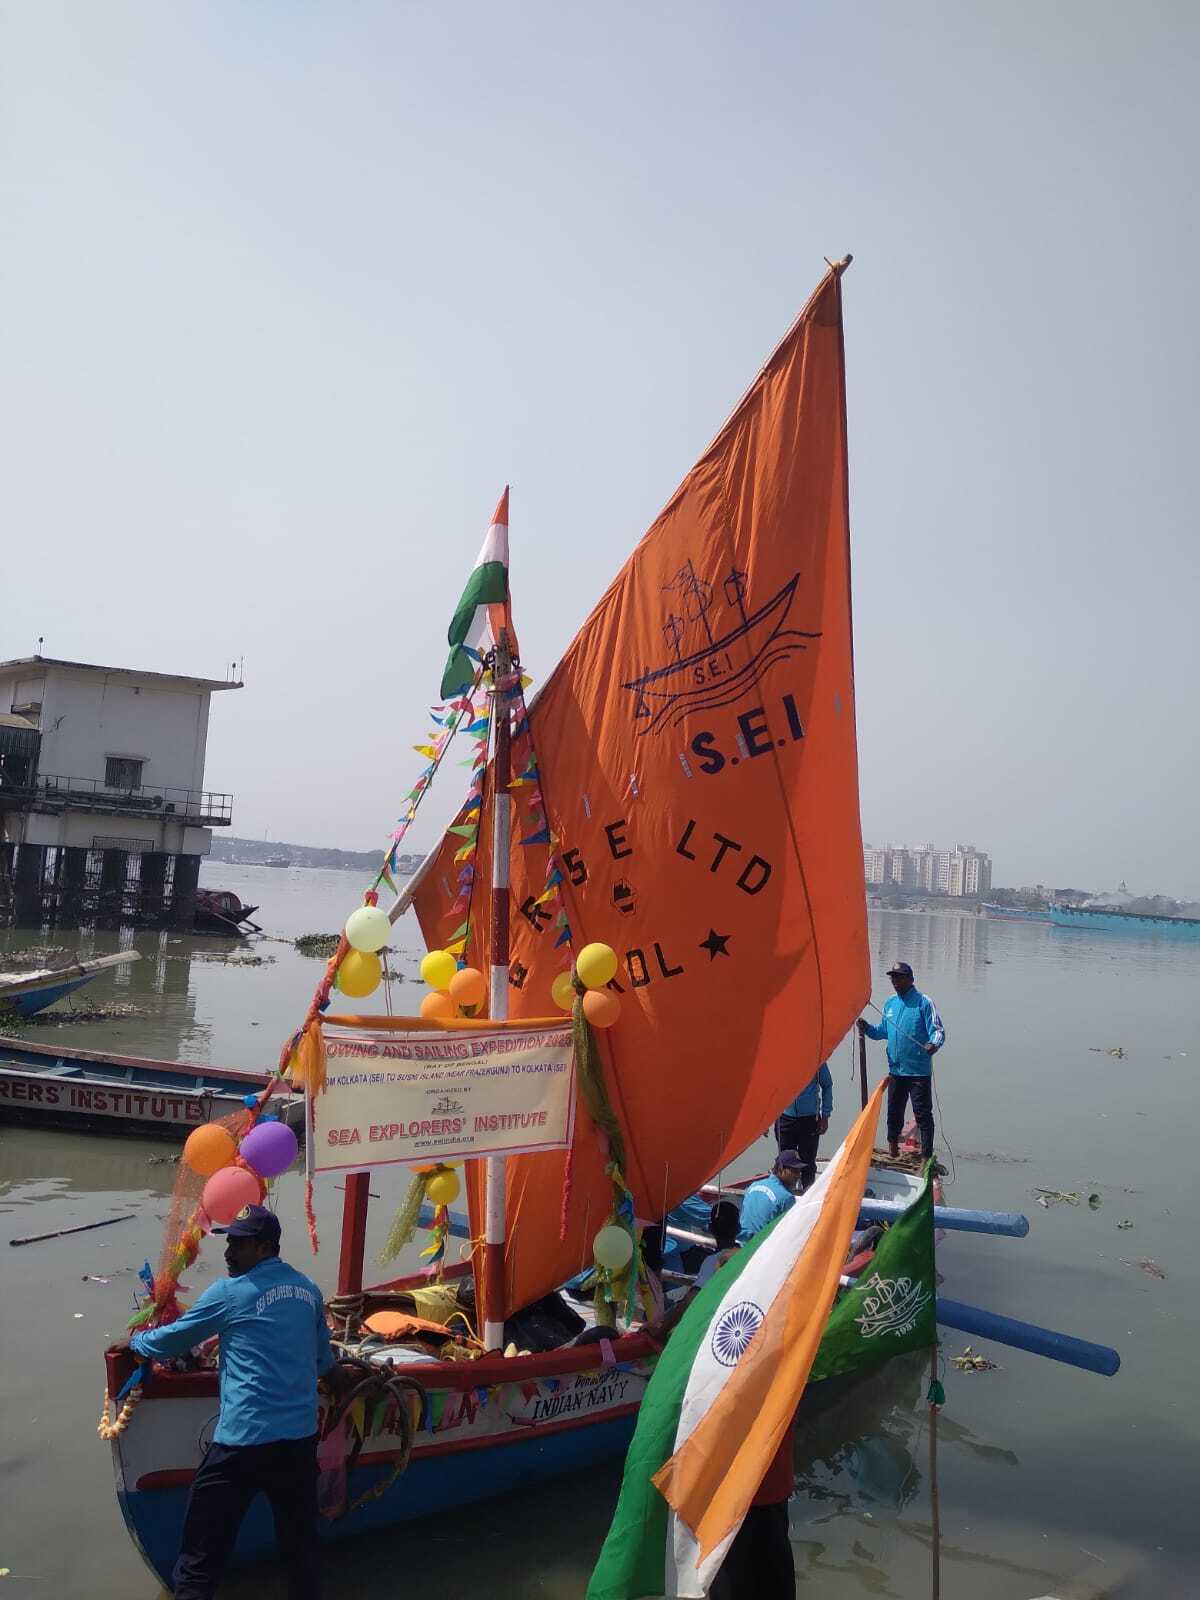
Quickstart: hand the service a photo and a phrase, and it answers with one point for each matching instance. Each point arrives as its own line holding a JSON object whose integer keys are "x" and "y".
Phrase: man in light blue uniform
{"x": 274, "y": 1345}
{"x": 802, "y": 1123}
{"x": 914, "y": 1033}
{"x": 769, "y": 1197}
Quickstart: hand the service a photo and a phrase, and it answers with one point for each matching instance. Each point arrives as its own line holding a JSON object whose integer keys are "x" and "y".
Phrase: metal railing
{"x": 203, "y": 806}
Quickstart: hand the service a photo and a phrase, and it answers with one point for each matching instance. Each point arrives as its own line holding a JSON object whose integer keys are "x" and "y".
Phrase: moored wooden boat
{"x": 23, "y": 994}
{"x": 99, "y": 1091}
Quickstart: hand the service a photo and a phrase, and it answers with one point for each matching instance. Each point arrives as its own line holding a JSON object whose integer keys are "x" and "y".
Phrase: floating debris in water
{"x": 162, "y": 1161}
{"x": 55, "y": 1019}
{"x": 35, "y": 955}
{"x": 232, "y": 958}
{"x": 1117, "y": 1050}
{"x": 997, "y": 1156}
{"x": 316, "y": 944}
{"x": 1054, "y": 1197}
{"x": 1150, "y": 1268}
{"x": 1095, "y": 1202}
{"x": 1125, "y": 1224}
{"x": 972, "y": 1361}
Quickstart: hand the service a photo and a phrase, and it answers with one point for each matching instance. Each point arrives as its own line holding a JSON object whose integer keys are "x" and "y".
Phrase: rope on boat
{"x": 377, "y": 1384}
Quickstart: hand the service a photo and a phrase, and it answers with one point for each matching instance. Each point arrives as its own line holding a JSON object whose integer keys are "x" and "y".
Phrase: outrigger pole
{"x": 491, "y": 1291}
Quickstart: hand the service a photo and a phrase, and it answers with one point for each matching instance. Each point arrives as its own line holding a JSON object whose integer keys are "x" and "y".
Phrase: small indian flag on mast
{"x": 483, "y": 611}
{"x": 726, "y": 1387}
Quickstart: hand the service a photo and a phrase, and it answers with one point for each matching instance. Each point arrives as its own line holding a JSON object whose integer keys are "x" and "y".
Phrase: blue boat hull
{"x": 1124, "y": 922}
{"x": 437, "y": 1483}
{"x": 32, "y": 1001}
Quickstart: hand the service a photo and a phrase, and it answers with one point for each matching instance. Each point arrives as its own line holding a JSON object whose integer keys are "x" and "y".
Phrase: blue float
{"x": 1028, "y": 1336}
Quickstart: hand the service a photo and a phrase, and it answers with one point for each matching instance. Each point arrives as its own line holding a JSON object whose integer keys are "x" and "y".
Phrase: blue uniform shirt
{"x": 766, "y": 1199}
{"x": 816, "y": 1098}
{"x": 274, "y": 1346}
{"x": 909, "y": 1021}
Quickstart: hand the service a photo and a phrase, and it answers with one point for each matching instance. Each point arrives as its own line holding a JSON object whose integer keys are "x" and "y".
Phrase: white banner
{"x": 430, "y": 1096}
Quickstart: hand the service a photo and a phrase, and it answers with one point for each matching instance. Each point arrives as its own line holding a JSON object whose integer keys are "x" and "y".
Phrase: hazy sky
{"x": 289, "y": 291}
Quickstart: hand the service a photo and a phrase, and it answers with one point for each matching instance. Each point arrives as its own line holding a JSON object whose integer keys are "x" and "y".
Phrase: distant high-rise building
{"x": 963, "y": 872}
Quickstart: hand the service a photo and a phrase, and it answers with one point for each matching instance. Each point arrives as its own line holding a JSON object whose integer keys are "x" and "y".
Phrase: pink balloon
{"x": 227, "y": 1191}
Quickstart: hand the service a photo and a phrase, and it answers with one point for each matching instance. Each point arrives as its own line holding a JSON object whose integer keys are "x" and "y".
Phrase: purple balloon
{"x": 270, "y": 1148}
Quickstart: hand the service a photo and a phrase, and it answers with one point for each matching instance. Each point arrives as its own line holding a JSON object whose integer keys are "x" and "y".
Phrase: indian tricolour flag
{"x": 483, "y": 610}
{"x": 726, "y": 1388}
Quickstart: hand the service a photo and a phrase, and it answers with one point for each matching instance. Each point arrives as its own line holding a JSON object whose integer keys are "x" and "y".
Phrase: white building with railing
{"x": 99, "y": 761}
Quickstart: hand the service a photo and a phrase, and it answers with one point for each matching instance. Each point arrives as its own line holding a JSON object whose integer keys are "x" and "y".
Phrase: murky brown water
{"x": 1053, "y": 1482}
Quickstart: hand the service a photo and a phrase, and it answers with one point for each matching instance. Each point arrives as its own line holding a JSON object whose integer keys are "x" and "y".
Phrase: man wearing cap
{"x": 802, "y": 1123}
{"x": 914, "y": 1032}
{"x": 769, "y": 1197}
{"x": 274, "y": 1345}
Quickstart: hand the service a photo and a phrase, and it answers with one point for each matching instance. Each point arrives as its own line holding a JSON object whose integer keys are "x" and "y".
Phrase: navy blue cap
{"x": 789, "y": 1158}
{"x": 254, "y": 1222}
{"x": 900, "y": 969}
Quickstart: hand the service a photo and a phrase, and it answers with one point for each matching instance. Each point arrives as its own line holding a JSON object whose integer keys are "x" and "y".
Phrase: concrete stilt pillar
{"x": 187, "y": 877}
{"x": 72, "y": 878}
{"x": 27, "y": 885}
{"x": 114, "y": 864}
{"x": 152, "y": 901}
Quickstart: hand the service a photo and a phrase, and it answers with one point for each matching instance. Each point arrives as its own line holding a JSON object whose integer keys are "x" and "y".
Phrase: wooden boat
{"x": 221, "y": 911}
{"x": 22, "y": 994}
{"x": 96, "y": 1091}
{"x": 717, "y": 859}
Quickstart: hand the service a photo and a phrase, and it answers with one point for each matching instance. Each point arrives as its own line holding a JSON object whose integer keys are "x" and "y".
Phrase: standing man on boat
{"x": 769, "y": 1197}
{"x": 914, "y": 1033}
{"x": 802, "y": 1123}
{"x": 274, "y": 1346}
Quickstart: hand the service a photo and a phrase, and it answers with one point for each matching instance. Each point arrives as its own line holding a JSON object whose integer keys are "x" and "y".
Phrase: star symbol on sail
{"x": 716, "y": 944}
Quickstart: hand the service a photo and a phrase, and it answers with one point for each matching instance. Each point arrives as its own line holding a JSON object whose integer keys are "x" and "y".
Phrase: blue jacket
{"x": 766, "y": 1199}
{"x": 909, "y": 1021}
{"x": 816, "y": 1098}
{"x": 274, "y": 1346}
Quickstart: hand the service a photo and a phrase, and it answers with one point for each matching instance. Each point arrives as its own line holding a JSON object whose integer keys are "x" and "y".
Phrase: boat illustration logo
{"x": 446, "y": 1106}
{"x": 892, "y": 1305}
{"x": 718, "y": 667}
{"x": 733, "y": 1333}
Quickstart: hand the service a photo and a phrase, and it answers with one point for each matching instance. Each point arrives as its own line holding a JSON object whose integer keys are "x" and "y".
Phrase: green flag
{"x": 892, "y": 1307}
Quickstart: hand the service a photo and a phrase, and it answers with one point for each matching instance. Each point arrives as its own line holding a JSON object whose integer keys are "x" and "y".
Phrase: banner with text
{"x": 431, "y": 1096}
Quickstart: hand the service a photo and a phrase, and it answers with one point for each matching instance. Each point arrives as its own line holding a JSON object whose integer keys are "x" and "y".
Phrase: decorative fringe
{"x": 568, "y": 1178}
{"x": 404, "y": 1223}
{"x": 310, "y": 1216}
{"x": 310, "y": 1059}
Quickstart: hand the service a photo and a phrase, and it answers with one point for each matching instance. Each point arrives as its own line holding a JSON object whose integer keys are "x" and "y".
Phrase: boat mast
{"x": 492, "y": 1296}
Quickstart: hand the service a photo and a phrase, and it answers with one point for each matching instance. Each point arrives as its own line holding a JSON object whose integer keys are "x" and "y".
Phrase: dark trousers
{"x": 229, "y": 1478}
{"x": 758, "y": 1564}
{"x": 800, "y": 1134}
{"x": 921, "y": 1090}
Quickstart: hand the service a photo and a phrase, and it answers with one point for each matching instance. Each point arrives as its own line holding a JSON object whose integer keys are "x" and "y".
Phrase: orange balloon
{"x": 436, "y": 1007}
{"x": 468, "y": 987}
{"x": 601, "y": 1007}
{"x": 208, "y": 1149}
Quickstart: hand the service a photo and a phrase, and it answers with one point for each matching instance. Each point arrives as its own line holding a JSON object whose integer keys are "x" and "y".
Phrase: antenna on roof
{"x": 41, "y": 641}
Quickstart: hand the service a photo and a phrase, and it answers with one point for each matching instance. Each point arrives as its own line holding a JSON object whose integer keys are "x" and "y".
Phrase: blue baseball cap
{"x": 899, "y": 969}
{"x": 254, "y": 1222}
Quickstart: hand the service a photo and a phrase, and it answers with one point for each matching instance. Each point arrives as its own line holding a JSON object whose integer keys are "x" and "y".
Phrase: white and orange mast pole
{"x": 492, "y": 1288}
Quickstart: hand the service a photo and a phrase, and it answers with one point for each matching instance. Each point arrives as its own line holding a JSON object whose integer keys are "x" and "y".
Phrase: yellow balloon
{"x": 612, "y": 1248}
{"x": 596, "y": 965}
{"x": 359, "y": 973}
{"x": 437, "y": 968}
{"x": 368, "y": 928}
{"x": 442, "y": 1189}
{"x": 562, "y": 991}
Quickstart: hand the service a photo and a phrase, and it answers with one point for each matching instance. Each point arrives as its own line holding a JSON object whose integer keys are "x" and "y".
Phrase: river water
{"x": 1052, "y": 1481}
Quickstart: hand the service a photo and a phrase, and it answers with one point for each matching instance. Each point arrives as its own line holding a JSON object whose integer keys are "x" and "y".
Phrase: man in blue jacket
{"x": 769, "y": 1197}
{"x": 914, "y": 1032}
{"x": 274, "y": 1345}
{"x": 802, "y": 1123}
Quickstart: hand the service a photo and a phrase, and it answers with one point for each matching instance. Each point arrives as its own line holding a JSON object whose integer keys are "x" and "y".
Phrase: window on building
{"x": 122, "y": 772}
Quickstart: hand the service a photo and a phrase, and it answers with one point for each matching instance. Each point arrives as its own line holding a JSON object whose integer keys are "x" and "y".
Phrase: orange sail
{"x": 698, "y": 771}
